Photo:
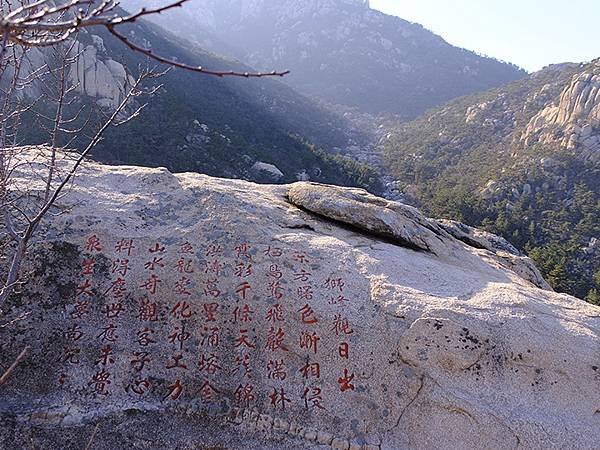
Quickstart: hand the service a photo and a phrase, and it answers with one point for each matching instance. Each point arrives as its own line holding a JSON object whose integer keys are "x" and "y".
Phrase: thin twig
{"x": 31, "y": 26}
{"x": 15, "y": 320}
{"x": 200, "y": 69}
{"x": 89, "y": 444}
{"x": 14, "y": 365}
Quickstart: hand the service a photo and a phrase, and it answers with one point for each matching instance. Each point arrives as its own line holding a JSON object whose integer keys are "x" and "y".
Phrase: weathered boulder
{"x": 400, "y": 223}
{"x": 183, "y": 311}
{"x": 270, "y": 171}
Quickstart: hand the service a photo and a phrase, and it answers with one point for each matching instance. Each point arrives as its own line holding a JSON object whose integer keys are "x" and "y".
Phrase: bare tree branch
{"x": 37, "y": 25}
{"x": 51, "y": 196}
{"x": 200, "y": 69}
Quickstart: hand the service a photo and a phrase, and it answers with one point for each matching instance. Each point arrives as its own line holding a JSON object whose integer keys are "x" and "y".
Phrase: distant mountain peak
{"x": 248, "y": 9}
{"x": 342, "y": 52}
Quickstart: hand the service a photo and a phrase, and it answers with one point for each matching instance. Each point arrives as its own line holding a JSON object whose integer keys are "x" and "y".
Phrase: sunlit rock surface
{"x": 572, "y": 120}
{"x": 183, "y": 311}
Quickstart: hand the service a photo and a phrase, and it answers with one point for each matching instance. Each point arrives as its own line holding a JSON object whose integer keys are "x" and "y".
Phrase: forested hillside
{"x": 519, "y": 161}
{"x": 227, "y": 127}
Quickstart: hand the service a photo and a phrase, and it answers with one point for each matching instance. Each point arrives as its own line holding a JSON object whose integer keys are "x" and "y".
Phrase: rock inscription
{"x": 206, "y": 320}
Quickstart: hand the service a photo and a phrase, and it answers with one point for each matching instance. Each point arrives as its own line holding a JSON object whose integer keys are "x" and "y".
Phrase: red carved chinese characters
{"x": 244, "y": 395}
{"x": 227, "y": 312}
{"x": 275, "y": 339}
{"x": 93, "y": 244}
{"x": 209, "y": 364}
{"x": 148, "y": 311}
{"x": 276, "y": 370}
{"x": 312, "y": 398}
{"x": 279, "y": 398}
{"x": 309, "y": 341}
{"x": 345, "y": 381}
{"x": 341, "y": 326}
{"x": 125, "y": 246}
{"x": 307, "y": 315}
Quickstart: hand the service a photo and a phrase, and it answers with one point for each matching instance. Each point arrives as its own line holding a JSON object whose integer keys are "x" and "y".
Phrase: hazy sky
{"x": 529, "y": 33}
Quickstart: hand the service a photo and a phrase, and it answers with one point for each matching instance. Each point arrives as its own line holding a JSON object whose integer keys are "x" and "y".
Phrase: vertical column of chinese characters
{"x": 106, "y": 333}
{"x": 334, "y": 287}
{"x": 178, "y": 310}
{"x": 113, "y": 307}
{"x": 276, "y": 366}
{"x": 146, "y": 314}
{"x": 83, "y": 297}
{"x": 308, "y": 342}
{"x": 211, "y": 311}
{"x": 210, "y": 330}
{"x": 242, "y": 318}
{"x": 181, "y": 311}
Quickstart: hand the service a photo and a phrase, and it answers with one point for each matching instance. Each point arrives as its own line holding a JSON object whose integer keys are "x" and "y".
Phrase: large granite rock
{"x": 572, "y": 120}
{"x": 91, "y": 72}
{"x": 99, "y": 77}
{"x": 500, "y": 248}
{"x": 183, "y": 311}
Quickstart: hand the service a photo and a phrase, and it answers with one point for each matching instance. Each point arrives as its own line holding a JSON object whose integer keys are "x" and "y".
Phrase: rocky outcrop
{"x": 267, "y": 170}
{"x": 573, "y": 120}
{"x": 177, "y": 311}
{"x": 92, "y": 71}
{"x": 104, "y": 79}
{"x": 502, "y": 250}
{"x": 495, "y": 113}
{"x": 399, "y": 223}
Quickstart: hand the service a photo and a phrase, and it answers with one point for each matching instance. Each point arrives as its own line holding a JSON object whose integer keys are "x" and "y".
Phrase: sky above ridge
{"x": 529, "y": 33}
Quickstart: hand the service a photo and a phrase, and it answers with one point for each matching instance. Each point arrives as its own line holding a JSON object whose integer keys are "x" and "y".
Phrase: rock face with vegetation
{"x": 520, "y": 161}
{"x": 183, "y": 311}
{"x": 572, "y": 120}
{"x": 341, "y": 51}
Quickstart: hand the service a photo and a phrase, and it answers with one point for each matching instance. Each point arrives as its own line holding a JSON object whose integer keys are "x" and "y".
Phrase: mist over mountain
{"x": 341, "y": 51}
{"x": 258, "y": 129}
{"x": 197, "y": 255}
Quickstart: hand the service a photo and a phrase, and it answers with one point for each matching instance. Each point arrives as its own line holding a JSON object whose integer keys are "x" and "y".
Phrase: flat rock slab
{"x": 183, "y": 311}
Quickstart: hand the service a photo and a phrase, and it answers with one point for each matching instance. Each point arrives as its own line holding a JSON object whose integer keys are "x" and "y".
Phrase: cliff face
{"x": 170, "y": 310}
{"x": 558, "y": 105}
{"x": 573, "y": 119}
{"x": 98, "y": 76}
{"x": 94, "y": 73}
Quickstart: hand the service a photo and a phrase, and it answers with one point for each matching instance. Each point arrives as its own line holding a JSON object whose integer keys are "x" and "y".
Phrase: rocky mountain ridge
{"x": 573, "y": 120}
{"x": 560, "y": 107}
{"x": 341, "y": 51}
{"x": 222, "y": 127}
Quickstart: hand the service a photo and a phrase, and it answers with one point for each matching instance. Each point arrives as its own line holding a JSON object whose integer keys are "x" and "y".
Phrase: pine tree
{"x": 593, "y": 297}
